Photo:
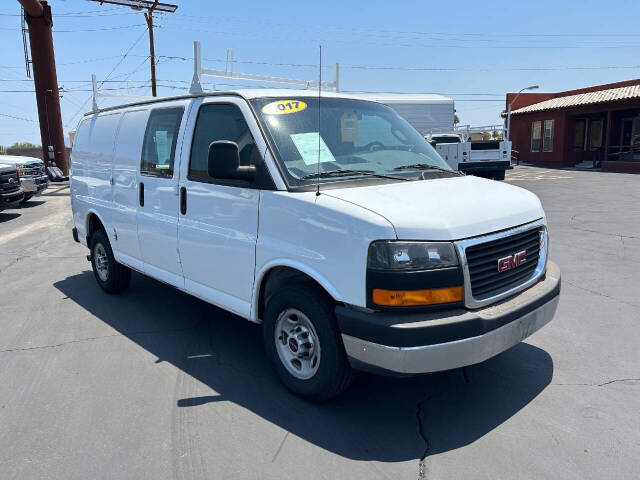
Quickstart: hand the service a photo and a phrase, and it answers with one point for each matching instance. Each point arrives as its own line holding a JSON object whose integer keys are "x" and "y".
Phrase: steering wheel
{"x": 373, "y": 146}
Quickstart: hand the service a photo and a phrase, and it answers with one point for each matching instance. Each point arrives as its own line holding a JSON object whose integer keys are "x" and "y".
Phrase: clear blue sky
{"x": 482, "y": 49}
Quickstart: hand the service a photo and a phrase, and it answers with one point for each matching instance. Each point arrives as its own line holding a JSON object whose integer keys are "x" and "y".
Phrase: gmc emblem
{"x": 512, "y": 261}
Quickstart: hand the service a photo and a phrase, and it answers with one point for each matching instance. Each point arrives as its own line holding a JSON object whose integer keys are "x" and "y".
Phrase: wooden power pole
{"x": 45, "y": 80}
{"x": 150, "y": 7}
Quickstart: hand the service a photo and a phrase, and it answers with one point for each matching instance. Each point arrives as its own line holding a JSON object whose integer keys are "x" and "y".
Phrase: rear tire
{"x": 110, "y": 275}
{"x": 302, "y": 340}
{"x": 499, "y": 175}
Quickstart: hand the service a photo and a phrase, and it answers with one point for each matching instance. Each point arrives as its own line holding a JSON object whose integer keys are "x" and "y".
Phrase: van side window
{"x": 219, "y": 122}
{"x": 160, "y": 138}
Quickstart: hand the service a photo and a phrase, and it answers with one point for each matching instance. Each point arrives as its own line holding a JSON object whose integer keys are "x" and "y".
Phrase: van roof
{"x": 250, "y": 93}
{"x": 247, "y": 94}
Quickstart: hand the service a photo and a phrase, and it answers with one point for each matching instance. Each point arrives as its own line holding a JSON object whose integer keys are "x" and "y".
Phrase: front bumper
{"x": 432, "y": 341}
{"x": 484, "y": 166}
{"x": 13, "y": 199}
{"x": 33, "y": 185}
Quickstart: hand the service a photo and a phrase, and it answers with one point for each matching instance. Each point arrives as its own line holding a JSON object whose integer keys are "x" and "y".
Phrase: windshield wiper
{"x": 346, "y": 172}
{"x": 426, "y": 166}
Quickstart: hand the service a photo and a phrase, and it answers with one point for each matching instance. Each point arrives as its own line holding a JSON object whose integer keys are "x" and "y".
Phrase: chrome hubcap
{"x": 297, "y": 344}
{"x": 102, "y": 262}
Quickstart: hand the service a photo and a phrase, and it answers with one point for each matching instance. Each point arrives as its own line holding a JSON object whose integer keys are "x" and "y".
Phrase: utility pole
{"x": 150, "y": 7}
{"x": 45, "y": 80}
{"x": 148, "y": 16}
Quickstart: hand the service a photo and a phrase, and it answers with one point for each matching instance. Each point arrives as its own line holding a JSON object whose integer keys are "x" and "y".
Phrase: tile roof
{"x": 600, "y": 96}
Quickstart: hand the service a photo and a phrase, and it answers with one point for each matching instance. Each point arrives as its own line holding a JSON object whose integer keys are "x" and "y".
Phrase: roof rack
{"x": 97, "y": 93}
{"x": 198, "y": 72}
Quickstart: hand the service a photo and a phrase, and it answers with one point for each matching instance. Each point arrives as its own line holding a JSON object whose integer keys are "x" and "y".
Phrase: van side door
{"x": 219, "y": 217}
{"x": 126, "y": 161}
{"x": 157, "y": 210}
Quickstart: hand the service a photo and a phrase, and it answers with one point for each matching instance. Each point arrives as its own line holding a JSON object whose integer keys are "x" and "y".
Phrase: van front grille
{"x": 486, "y": 260}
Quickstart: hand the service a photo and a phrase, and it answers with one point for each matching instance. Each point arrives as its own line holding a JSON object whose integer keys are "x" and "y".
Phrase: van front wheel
{"x": 302, "y": 340}
{"x": 110, "y": 275}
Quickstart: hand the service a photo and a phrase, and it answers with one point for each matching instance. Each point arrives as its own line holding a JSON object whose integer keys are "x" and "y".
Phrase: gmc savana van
{"x": 331, "y": 222}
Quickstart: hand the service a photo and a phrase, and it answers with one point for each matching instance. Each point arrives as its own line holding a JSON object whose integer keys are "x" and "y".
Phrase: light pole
{"x": 532, "y": 87}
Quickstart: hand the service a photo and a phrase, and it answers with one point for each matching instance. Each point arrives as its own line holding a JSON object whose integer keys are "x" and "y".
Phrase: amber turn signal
{"x": 412, "y": 298}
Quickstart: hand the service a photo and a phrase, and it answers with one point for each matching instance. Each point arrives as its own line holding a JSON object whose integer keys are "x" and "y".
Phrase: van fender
{"x": 284, "y": 262}
{"x": 92, "y": 211}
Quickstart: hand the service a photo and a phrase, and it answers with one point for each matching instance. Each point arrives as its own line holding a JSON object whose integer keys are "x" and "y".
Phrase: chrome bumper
{"x": 33, "y": 184}
{"x": 463, "y": 352}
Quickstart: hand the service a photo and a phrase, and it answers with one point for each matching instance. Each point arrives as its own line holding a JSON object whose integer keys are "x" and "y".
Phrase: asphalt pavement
{"x": 155, "y": 384}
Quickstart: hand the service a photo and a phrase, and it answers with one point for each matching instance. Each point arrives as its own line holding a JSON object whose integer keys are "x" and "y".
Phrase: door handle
{"x": 141, "y": 194}
{"x": 183, "y": 200}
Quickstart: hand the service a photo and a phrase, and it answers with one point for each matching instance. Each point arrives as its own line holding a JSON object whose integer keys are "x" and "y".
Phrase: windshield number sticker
{"x": 283, "y": 107}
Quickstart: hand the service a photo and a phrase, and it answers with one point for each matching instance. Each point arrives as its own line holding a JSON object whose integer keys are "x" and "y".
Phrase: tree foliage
{"x": 24, "y": 145}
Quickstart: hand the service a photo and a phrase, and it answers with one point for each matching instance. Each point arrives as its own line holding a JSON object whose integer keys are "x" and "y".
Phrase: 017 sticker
{"x": 283, "y": 107}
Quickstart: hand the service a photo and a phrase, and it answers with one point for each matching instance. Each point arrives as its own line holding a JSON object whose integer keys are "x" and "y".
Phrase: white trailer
{"x": 425, "y": 112}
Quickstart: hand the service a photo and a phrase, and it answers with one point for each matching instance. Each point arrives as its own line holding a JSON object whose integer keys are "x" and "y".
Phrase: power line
{"x": 18, "y": 118}
{"x": 107, "y": 77}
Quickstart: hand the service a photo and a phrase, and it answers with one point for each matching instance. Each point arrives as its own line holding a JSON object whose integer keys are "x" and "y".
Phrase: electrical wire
{"x": 107, "y": 77}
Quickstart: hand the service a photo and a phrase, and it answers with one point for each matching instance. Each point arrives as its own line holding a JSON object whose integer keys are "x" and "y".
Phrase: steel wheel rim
{"x": 102, "y": 262}
{"x": 297, "y": 344}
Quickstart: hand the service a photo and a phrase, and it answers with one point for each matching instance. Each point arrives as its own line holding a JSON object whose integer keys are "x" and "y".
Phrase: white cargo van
{"x": 339, "y": 228}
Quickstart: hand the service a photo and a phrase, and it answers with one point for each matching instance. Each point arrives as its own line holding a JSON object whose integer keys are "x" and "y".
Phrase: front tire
{"x": 26, "y": 199}
{"x": 110, "y": 275}
{"x": 302, "y": 340}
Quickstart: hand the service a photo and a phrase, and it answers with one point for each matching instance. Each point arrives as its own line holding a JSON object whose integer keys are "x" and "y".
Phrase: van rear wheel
{"x": 302, "y": 340}
{"x": 110, "y": 275}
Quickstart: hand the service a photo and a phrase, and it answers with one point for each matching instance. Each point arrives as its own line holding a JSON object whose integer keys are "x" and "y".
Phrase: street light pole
{"x": 532, "y": 87}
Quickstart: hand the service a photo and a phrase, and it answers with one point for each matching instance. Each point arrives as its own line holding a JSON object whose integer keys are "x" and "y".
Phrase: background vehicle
{"x": 33, "y": 177}
{"x": 315, "y": 229}
{"x": 11, "y": 193}
{"x": 486, "y": 158}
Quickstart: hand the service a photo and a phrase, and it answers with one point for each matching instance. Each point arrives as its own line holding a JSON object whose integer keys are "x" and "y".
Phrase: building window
{"x": 596, "y": 134}
{"x": 536, "y": 130}
{"x": 547, "y": 141}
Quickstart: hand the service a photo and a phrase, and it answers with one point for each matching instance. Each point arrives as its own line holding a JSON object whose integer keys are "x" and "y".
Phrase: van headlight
{"x": 20, "y": 169}
{"x": 391, "y": 255}
{"x": 413, "y": 274}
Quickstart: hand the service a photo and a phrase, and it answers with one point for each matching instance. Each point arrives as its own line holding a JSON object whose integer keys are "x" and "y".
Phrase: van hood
{"x": 446, "y": 208}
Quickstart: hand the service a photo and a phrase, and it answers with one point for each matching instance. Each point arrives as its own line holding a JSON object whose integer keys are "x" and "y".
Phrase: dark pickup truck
{"x": 11, "y": 193}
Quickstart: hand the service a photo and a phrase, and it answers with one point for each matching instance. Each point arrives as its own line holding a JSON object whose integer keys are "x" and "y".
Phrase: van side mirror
{"x": 224, "y": 162}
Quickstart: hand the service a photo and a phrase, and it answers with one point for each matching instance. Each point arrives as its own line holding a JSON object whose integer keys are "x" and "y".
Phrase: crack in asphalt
{"x": 218, "y": 359}
{"x": 423, "y": 434}
{"x": 600, "y": 294}
{"x": 286, "y": 435}
{"x": 90, "y": 339}
{"x": 610, "y": 234}
{"x": 603, "y": 384}
{"x": 421, "y": 427}
{"x": 12, "y": 263}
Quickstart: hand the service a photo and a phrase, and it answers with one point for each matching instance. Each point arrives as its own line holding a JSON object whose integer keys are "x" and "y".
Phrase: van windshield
{"x": 357, "y": 138}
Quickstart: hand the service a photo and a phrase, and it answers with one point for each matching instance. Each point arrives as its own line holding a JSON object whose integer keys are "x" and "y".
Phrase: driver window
{"x": 219, "y": 122}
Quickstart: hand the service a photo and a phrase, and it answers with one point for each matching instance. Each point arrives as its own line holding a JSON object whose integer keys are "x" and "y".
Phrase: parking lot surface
{"x": 155, "y": 384}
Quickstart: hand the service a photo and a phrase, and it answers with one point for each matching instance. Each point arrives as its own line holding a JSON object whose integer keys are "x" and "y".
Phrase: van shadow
{"x": 378, "y": 418}
{"x": 6, "y": 216}
{"x": 31, "y": 203}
